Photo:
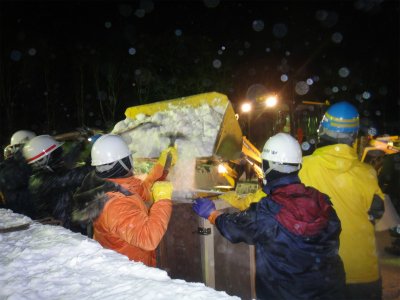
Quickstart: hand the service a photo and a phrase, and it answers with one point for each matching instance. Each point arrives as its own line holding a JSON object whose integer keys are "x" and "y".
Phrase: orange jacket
{"x": 127, "y": 225}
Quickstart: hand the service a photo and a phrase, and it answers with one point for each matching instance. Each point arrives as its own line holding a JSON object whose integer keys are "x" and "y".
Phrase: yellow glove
{"x": 163, "y": 156}
{"x": 162, "y": 190}
{"x": 242, "y": 202}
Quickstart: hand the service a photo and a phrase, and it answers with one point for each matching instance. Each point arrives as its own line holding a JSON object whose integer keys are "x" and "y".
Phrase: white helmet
{"x": 38, "y": 149}
{"x": 17, "y": 140}
{"x": 109, "y": 148}
{"x": 21, "y": 137}
{"x": 283, "y": 153}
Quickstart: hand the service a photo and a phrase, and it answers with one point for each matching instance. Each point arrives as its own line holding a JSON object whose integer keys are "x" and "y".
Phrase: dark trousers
{"x": 364, "y": 291}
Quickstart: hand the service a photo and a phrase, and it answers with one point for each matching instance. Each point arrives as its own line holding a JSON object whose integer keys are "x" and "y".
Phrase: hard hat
{"x": 341, "y": 117}
{"x": 282, "y": 153}
{"x": 108, "y": 149}
{"x": 39, "y": 147}
{"x": 21, "y": 137}
{"x": 17, "y": 140}
{"x": 282, "y": 148}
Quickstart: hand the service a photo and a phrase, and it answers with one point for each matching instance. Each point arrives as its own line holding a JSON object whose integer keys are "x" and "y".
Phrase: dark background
{"x": 66, "y": 64}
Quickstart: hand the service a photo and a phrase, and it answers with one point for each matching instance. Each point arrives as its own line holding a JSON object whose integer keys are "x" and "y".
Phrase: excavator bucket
{"x": 249, "y": 150}
{"x": 228, "y": 141}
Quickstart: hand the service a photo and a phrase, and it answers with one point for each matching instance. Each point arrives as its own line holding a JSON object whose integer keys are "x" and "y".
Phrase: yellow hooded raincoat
{"x": 336, "y": 171}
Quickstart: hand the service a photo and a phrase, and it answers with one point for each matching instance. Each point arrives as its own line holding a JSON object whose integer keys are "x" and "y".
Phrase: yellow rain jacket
{"x": 336, "y": 171}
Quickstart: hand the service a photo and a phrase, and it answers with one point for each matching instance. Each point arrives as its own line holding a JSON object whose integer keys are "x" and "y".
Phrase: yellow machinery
{"x": 229, "y": 140}
{"x": 384, "y": 145}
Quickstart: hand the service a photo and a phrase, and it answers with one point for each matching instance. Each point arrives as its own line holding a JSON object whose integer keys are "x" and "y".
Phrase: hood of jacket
{"x": 304, "y": 210}
{"x": 90, "y": 198}
{"x": 339, "y": 157}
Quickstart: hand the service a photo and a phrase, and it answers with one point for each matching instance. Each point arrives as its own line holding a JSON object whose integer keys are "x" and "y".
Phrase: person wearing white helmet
{"x": 53, "y": 182}
{"x": 119, "y": 205}
{"x": 14, "y": 176}
{"x": 294, "y": 228}
{"x": 18, "y": 139}
{"x": 334, "y": 169}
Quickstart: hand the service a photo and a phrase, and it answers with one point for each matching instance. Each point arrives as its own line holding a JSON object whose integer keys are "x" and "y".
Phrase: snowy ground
{"x": 51, "y": 262}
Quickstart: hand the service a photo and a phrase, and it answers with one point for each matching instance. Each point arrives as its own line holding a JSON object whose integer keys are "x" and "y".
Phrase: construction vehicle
{"x": 383, "y": 144}
{"x": 301, "y": 121}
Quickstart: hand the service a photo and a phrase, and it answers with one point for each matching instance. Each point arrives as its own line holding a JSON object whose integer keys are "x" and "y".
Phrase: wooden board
{"x": 15, "y": 228}
{"x": 194, "y": 250}
{"x": 179, "y": 251}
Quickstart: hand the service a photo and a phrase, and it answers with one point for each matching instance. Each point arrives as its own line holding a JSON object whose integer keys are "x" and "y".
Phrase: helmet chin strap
{"x": 125, "y": 166}
{"x": 43, "y": 164}
{"x": 266, "y": 173}
{"x": 49, "y": 168}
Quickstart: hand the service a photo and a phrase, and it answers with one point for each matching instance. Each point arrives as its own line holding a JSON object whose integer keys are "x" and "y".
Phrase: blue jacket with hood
{"x": 296, "y": 234}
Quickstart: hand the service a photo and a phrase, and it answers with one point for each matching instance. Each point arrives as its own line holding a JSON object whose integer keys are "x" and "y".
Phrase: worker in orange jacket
{"x": 119, "y": 204}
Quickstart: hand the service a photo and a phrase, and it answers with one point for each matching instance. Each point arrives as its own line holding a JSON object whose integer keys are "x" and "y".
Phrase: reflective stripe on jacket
{"x": 351, "y": 185}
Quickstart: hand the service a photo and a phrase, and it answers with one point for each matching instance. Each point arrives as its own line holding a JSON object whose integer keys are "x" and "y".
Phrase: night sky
{"x": 74, "y": 63}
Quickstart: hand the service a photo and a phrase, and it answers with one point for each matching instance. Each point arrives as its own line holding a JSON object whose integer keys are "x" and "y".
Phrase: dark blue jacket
{"x": 14, "y": 186}
{"x": 296, "y": 234}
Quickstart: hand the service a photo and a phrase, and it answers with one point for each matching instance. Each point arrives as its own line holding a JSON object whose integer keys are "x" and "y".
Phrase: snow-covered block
{"x": 203, "y": 125}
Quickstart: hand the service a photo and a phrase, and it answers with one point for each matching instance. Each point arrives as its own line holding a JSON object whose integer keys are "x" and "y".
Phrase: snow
{"x": 51, "y": 262}
{"x": 197, "y": 127}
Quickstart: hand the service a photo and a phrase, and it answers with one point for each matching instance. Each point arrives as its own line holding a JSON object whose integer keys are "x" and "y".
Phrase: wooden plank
{"x": 253, "y": 271}
{"x": 207, "y": 252}
{"x": 179, "y": 251}
{"x": 185, "y": 253}
{"x": 15, "y": 228}
{"x": 234, "y": 264}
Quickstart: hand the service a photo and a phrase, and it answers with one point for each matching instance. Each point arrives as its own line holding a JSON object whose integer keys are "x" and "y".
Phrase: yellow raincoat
{"x": 336, "y": 171}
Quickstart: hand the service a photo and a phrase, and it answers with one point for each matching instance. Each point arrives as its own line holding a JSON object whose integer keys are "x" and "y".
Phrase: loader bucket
{"x": 228, "y": 142}
{"x": 251, "y": 151}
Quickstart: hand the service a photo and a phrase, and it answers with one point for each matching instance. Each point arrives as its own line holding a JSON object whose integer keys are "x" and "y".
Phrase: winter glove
{"x": 161, "y": 190}
{"x": 242, "y": 202}
{"x": 203, "y": 207}
{"x": 172, "y": 152}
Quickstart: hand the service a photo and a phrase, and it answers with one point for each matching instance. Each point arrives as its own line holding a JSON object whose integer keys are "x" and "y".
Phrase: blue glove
{"x": 203, "y": 207}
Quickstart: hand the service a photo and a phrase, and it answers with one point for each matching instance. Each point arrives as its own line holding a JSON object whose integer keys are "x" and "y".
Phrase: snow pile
{"x": 51, "y": 262}
{"x": 197, "y": 129}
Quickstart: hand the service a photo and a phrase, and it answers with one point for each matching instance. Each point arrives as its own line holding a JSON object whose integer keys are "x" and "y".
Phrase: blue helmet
{"x": 340, "y": 123}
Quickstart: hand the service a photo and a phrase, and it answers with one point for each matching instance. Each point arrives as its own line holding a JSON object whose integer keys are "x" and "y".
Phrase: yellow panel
{"x": 212, "y": 98}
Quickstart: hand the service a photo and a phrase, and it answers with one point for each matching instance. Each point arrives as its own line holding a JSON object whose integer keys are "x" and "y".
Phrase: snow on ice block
{"x": 51, "y": 262}
{"x": 205, "y": 125}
